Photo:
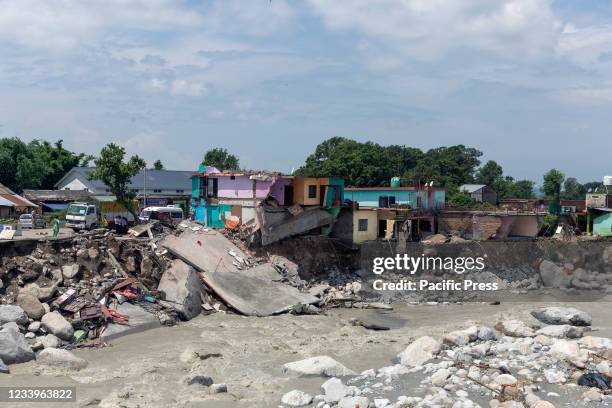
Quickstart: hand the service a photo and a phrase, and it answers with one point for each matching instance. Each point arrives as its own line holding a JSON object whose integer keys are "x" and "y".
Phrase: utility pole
{"x": 145, "y": 187}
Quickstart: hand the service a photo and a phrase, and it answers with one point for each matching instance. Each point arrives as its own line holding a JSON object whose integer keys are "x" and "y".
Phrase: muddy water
{"x": 144, "y": 369}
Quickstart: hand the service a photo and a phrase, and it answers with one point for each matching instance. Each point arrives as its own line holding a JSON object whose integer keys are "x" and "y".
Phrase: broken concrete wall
{"x": 291, "y": 225}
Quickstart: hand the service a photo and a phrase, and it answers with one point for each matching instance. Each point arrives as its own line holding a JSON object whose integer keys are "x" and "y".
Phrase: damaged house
{"x": 385, "y": 212}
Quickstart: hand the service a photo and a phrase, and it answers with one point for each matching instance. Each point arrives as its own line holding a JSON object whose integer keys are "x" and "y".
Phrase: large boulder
{"x": 183, "y": 290}
{"x": 56, "y": 324}
{"x": 515, "y": 328}
{"x": 13, "y": 313}
{"x": 553, "y": 276}
{"x": 318, "y": 366}
{"x": 31, "y": 305}
{"x": 14, "y": 348}
{"x": 561, "y": 331}
{"x": 61, "y": 358}
{"x": 570, "y": 352}
{"x": 43, "y": 293}
{"x": 334, "y": 390}
{"x": 420, "y": 351}
{"x": 461, "y": 337}
{"x": 562, "y": 315}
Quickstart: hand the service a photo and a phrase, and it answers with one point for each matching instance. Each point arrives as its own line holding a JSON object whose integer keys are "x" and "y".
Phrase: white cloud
{"x": 63, "y": 24}
{"x": 430, "y": 29}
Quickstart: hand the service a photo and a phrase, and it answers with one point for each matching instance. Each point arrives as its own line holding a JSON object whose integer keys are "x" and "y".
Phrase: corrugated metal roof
{"x": 471, "y": 188}
{"x": 18, "y": 200}
{"x": 155, "y": 179}
{"x": 6, "y": 203}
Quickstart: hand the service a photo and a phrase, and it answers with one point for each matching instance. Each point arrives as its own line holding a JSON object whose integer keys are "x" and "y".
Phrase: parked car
{"x": 25, "y": 221}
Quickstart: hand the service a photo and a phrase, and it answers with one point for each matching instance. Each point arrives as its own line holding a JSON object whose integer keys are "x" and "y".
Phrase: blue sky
{"x": 528, "y": 82}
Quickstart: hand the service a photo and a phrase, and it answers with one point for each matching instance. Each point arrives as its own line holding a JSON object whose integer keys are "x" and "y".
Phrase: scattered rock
{"x": 296, "y": 398}
{"x": 592, "y": 394}
{"x": 56, "y": 324}
{"x": 420, "y": 351}
{"x": 34, "y": 327}
{"x": 61, "y": 358}
{"x": 505, "y": 379}
{"x": 561, "y": 331}
{"x": 542, "y": 404}
{"x": 14, "y": 348}
{"x": 31, "y": 305}
{"x": 70, "y": 271}
{"x": 51, "y": 341}
{"x": 354, "y": 402}
{"x": 553, "y": 276}
{"x": 198, "y": 379}
{"x": 334, "y": 390}
{"x": 13, "y": 313}
{"x": 562, "y": 315}
{"x": 515, "y": 328}
{"x": 439, "y": 377}
{"x": 569, "y": 351}
{"x": 461, "y": 337}
{"x": 318, "y": 366}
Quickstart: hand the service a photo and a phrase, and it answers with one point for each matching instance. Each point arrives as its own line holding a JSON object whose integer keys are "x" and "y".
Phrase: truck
{"x": 90, "y": 216}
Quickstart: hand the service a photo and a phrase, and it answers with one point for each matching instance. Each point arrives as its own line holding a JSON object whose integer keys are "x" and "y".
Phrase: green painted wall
{"x": 602, "y": 225}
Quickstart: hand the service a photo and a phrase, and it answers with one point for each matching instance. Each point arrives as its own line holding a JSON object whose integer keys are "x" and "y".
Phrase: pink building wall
{"x": 278, "y": 190}
{"x": 240, "y": 187}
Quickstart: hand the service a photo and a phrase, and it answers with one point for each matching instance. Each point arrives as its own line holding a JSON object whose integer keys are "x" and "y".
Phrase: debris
{"x": 597, "y": 380}
{"x": 218, "y": 388}
{"x": 366, "y": 325}
{"x": 182, "y": 290}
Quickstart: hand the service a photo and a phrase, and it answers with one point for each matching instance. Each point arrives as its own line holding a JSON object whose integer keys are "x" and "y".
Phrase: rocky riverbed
{"x": 248, "y": 360}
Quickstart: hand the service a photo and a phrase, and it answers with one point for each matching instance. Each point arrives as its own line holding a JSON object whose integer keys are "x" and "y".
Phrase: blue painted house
{"x": 427, "y": 199}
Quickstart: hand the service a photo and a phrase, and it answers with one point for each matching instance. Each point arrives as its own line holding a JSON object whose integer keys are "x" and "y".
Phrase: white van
{"x": 82, "y": 216}
{"x": 175, "y": 213}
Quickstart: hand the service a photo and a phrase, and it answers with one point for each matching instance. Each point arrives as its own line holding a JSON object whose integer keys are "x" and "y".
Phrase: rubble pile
{"x": 70, "y": 294}
{"x": 512, "y": 366}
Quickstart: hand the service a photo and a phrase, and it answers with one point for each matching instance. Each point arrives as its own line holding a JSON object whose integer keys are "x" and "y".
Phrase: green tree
{"x": 573, "y": 190}
{"x": 116, "y": 174}
{"x": 363, "y": 164}
{"x": 35, "y": 165}
{"x": 522, "y": 189}
{"x": 221, "y": 159}
{"x": 489, "y": 173}
{"x": 158, "y": 165}
{"x": 552, "y": 188}
{"x": 448, "y": 166}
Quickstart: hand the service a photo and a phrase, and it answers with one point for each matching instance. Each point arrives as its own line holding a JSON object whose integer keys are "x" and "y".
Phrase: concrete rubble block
{"x": 296, "y": 398}
{"x": 140, "y": 320}
{"x": 324, "y": 366}
{"x": 514, "y": 328}
{"x": 56, "y": 324}
{"x": 561, "y": 331}
{"x": 13, "y": 313}
{"x": 61, "y": 358}
{"x": 334, "y": 390}
{"x": 14, "y": 348}
{"x": 31, "y": 305}
{"x": 553, "y": 276}
{"x": 562, "y": 315}
{"x": 420, "y": 351}
{"x": 70, "y": 271}
{"x": 183, "y": 290}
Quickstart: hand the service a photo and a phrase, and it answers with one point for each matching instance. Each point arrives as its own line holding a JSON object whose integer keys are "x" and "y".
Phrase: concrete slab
{"x": 207, "y": 251}
{"x": 253, "y": 296}
{"x": 292, "y": 225}
{"x": 140, "y": 320}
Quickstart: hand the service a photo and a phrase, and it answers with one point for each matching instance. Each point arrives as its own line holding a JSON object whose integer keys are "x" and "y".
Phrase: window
{"x": 180, "y": 191}
{"x": 312, "y": 191}
{"x": 363, "y": 224}
{"x": 91, "y": 210}
{"x": 156, "y": 191}
{"x": 232, "y": 177}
